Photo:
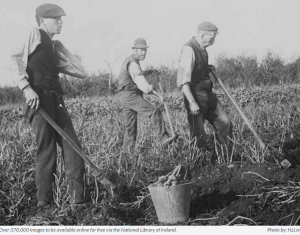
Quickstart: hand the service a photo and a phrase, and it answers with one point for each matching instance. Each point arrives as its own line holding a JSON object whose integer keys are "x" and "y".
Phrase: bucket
{"x": 172, "y": 204}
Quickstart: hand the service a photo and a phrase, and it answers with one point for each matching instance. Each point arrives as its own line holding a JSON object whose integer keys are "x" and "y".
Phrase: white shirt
{"x": 67, "y": 63}
{"x": 186, "y": 66}
{"x": 141, "y": 82}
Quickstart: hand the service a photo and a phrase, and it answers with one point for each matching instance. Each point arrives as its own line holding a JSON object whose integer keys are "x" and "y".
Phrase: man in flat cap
{"x": 132, "y": 85}
{"x": 38, "y": 63}
{"x": 194, "y": 81}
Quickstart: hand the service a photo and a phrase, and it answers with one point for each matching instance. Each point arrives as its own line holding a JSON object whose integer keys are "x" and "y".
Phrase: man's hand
{"x": 211, "y": 68}
{"x": 194, "y": 108}
{"x": 156, "y": 72}
{"x": 57, "y": 43}
{"x": 59, "y": 46}
{"x": 159, "y": 96}
{"x": 32, "y": 99}
{"x": 151, "y": 71}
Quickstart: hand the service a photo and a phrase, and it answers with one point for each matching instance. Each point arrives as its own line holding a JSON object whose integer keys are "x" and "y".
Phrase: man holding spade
{"x": 194, "y": 81}
{"x": 132, "y": 85}
{"x": 38, "y": 64}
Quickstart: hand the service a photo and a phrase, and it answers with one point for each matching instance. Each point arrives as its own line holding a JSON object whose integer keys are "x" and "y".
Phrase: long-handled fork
{"x": 173, "y": 134}
{"x": 248, "y": 123}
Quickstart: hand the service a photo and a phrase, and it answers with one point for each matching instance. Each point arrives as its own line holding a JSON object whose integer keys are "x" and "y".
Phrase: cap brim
{"x": 53, "y": 17}
{"x": 139, "y": 47}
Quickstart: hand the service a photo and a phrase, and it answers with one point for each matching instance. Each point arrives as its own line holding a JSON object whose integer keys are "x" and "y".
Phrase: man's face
{"x": 209, "y": 38}
{"x": 140, "y": 53}
{"x": 53, "y": 25}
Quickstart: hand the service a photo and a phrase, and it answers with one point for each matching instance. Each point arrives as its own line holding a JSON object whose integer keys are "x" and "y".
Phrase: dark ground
{"x": 246, "y": 193}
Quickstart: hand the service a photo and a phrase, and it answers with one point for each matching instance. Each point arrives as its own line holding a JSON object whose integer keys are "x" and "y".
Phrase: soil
{"x": 245, "y": 193}
{"x": 258, "y": 193}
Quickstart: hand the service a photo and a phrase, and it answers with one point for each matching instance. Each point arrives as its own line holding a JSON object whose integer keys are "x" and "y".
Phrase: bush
{"x": 242, "y": 70}
{"x": 10, "y": 95}
{"x": 168, "y": 78}
{"x": 271, "y": 70}
{"x": 247, "y": 71}
{"x": 236, "y": 71}
{"x": 94, "y": 85}
{"x": 292, "y": 72}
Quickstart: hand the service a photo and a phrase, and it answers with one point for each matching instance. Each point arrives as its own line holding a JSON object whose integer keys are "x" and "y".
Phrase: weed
{"x": 273, "y": 111}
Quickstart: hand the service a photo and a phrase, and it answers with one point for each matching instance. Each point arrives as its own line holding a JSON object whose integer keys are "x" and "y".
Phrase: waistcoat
{"x": 200, "y": 74}
{"x": 42, "y": 65}
{"x": 125, "y": 78}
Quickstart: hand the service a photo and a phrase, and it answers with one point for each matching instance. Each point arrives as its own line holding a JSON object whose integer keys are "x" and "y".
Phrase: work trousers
{"x": 212, "y": 111}
{"x": 46, "y": 139}
{"x": 134, "y": 103}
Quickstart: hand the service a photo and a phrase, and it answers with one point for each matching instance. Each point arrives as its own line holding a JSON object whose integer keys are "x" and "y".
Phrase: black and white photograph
{"x": 149, "y": 116}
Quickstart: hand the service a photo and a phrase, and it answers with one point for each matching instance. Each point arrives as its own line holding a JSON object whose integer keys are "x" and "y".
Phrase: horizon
{"x": 106, "y": 29}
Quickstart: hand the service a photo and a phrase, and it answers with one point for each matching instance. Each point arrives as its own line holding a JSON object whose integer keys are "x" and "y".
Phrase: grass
{"x": 273, "y": 111}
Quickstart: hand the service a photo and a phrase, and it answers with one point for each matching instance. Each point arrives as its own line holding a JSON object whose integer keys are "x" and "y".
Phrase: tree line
{"x": 236, "y": 71}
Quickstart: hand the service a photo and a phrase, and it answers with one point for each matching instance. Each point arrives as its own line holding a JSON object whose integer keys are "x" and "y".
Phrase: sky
{"x": 100, "y": 30}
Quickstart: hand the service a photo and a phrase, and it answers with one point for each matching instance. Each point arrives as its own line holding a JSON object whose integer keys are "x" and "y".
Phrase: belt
{"x": 49, "y": 83}
{"x": 205, "y": 84}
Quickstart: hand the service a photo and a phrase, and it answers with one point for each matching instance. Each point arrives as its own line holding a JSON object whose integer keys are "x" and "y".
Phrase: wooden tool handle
{"x": 257, "y": 137}
{"x": 167, "y": 110}
{"x": 95, "y": 170}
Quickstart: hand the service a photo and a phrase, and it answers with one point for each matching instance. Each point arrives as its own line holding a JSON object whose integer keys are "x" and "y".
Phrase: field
{"x": 246, "y": 186}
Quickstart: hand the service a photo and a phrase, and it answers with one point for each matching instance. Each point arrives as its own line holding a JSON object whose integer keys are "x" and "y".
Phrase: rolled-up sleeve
{"x": 142, "y": 83}
{"x": 138, "y": 78}
{"x": 186, "y": 65}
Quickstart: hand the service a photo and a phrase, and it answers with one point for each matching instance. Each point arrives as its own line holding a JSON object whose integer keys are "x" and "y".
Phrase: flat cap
{"x": 207, "y": 26}
{"x": 49, "y": 10}
{"x": 140, "y": 43}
